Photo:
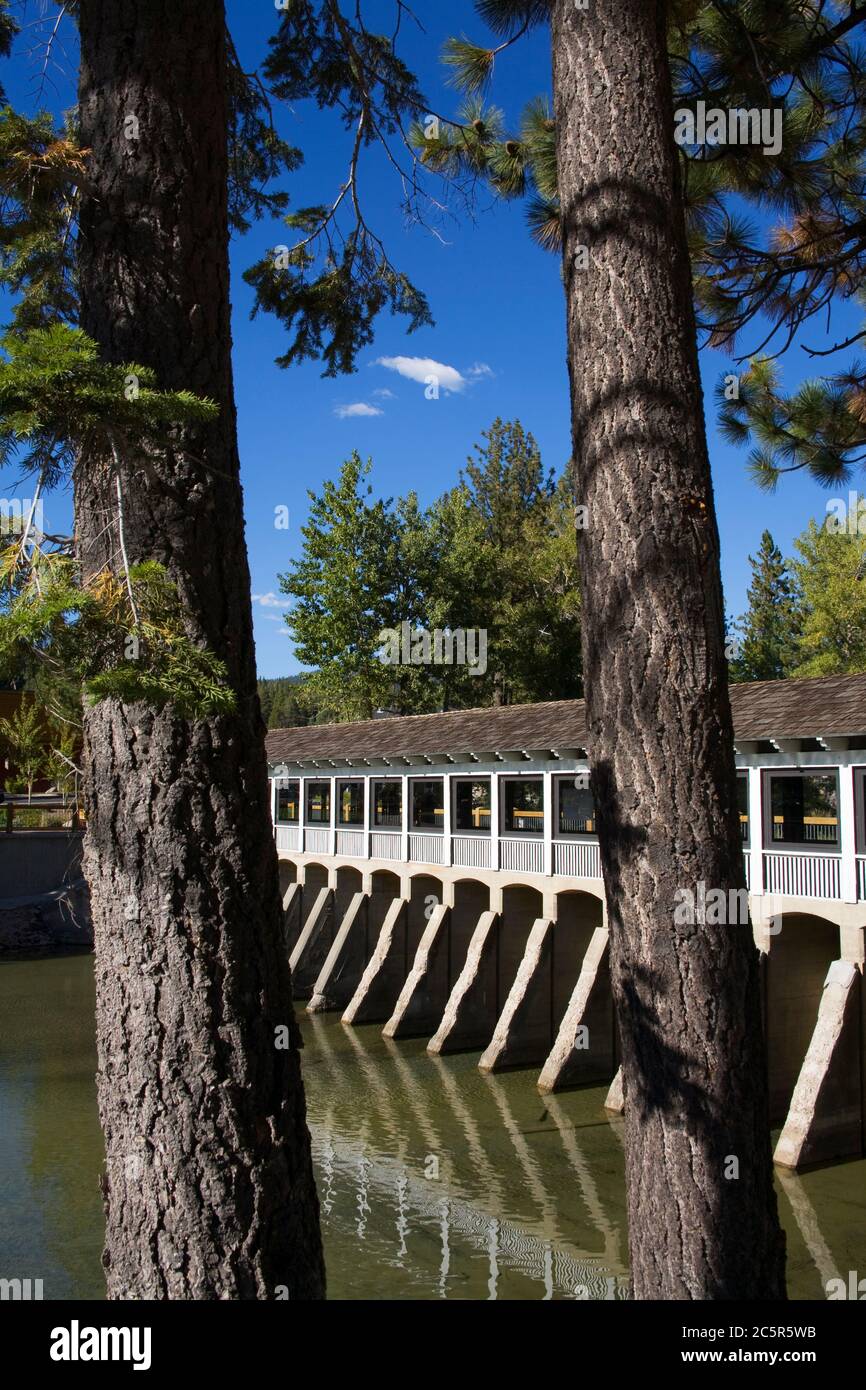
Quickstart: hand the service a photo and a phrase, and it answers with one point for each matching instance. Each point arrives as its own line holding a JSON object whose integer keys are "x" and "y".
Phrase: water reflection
{"x": 436, "y": 1181}
{"x": 471, "y": 1185}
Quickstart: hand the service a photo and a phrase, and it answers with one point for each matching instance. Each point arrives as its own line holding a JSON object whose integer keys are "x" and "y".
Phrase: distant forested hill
{"x": 286, "y": 702}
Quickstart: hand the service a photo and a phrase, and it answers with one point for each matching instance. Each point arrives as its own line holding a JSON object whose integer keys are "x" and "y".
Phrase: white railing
{"x": 810, "y": 831}
{"x": 802, "y": 873}
{"x": 522, "y": 856}
{"x": 471, "y": 851}
{"x": 351, "y": 843}
{"x": 288, "y": 838}
{"x": 576, "y": 858}
{"x": 385, "y": 844}
{"x": 798, "y": 875}
{"x": 861, "y": 878}
{"x": 426, "y": 849}
{"x": 317, "y": 841}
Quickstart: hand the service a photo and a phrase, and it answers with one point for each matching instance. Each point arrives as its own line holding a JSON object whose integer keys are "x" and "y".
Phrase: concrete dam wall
{"x": 44, "y": 906}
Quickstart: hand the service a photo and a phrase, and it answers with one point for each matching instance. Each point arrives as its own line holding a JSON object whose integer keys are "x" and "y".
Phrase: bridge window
{"x": 472, "y": 805}
{"x": 318, "y": 803}
{"x": 743, "y": 805}
{"x": 576, "y": 814}
{"x": 804, "y": 809}
{"x": 428, "y": 804}
{"x": 523, "y": 806}
{"x": 860, "y": 822}
{"x": 288, "y": 802}
{"x": 350, "y": 803}
{"x": 388, "y": 804}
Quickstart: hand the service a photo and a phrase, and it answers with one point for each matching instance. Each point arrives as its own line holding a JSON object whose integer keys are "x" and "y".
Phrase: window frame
{"x": 385, "y": 782}
{"x": 469, "y": 780}
{"x": 414, "y": 829}
{"x": 800, "y": 846}
{"x": 309, "y": 783}
{"x": 567, "y": 836}
{"x": 859, "y": 810}
{"x": 521, "y": 834}
{"x": 339, "y": 784}
{"x": 743, "y": 776}
{"x": 280, "y": 784}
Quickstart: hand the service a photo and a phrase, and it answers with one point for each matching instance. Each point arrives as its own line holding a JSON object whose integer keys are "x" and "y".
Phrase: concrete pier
{"x": 583, "y": 1052}
{"x": 522, "y": 1032}
{"x": 345, "y": 962}
{"x": 383, "y": 977}
{"x": 825, "y": 1118}
{"x": 313, "y": 944}
{"x": 422, "y": 999}
{"x": 472, "y": 1009}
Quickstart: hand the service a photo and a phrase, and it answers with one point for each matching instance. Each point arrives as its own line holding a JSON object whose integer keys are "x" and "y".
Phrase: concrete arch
{"x": 288, "y": 871}
{"x": 578, "y": 915}
{"x": 349, "y": 882}
{"x": 426, "y": 893}
{"x": 315, "y": 879}
{"x": 315, "y": 876}
{"x": 471, "y": 898}
{"x": 384, "y": 888}
{"x": 795, "y": 970}
{"x": 521, "y": 907}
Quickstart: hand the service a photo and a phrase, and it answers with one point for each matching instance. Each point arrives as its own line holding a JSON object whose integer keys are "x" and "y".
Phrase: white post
{"x": 368, "y": 814}
{"x": 446, "y": 820}
{"x": 302, "y": 813}
{"x": 404, "y": 827}
{"x": 756, "y": 831}
{"x": 274, "y": 805}
{"x": 847, "y": 835}
{"x": 547, "y": 823}
{"x": 494, "y": 820}
{"x": 332, "y": 818}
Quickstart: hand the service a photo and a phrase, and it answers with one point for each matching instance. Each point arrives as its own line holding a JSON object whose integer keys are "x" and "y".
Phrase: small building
{"x": 442, "y": 876}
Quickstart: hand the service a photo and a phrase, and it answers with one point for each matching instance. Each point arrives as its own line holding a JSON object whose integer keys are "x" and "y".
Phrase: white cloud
{"x": 344, "y": 412}
{"x": 420, "y": 368}
{"x": 384, "y": 394}
{"x": 480, "y": 369}
{"x": 270, "y": 600}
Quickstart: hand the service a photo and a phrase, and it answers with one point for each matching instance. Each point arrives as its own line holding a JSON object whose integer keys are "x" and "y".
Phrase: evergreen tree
{"x": 774, "y": 237}
{"x": 495, "y": 554}
{"x": 688, "y": 1005}
{"x": 526, "y": 568}
{"x": 770, "y": 629}
{"x": 118, "y": 375}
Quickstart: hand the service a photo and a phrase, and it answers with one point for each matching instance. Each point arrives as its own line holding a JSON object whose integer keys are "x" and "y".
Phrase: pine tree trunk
{"x": 656, "y": 682}
{"x": 209, "y": 1188}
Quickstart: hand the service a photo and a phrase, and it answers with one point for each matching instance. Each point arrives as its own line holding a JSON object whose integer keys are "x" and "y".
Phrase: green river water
{"x": 435, "y": 1181}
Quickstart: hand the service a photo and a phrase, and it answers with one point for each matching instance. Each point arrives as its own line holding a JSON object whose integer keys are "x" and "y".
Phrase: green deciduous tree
{"x": 343, "y": 594}
{"x": 830, "y": 573}
{"x": 24, "y": 740}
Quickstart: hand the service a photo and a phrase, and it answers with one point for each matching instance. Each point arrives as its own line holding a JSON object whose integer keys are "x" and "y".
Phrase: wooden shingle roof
{"x": 826, "y": 706}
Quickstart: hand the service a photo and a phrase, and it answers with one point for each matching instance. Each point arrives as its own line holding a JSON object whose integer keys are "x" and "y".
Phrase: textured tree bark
{"x": 209, "y": 1188}
{"x": 656, "y": 681}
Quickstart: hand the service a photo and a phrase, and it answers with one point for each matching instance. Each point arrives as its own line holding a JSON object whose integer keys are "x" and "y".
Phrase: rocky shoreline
{"x": 46, "y": 923}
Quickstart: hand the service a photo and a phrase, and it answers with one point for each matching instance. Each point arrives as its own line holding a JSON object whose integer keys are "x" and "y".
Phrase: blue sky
{"x": 498, "y": 305}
